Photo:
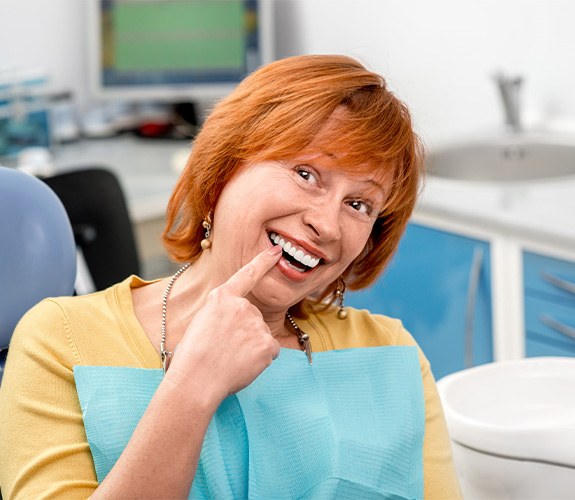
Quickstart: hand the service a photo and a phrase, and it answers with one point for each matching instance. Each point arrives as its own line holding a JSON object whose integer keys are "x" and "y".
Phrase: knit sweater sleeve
{"x": 43, "y": 447}
{"x": 441, "y": 481}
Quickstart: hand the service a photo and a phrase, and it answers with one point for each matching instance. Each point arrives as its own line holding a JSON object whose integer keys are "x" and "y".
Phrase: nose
{"x": 322, "y": 217}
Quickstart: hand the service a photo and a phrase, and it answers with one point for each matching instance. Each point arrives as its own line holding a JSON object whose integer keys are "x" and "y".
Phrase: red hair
{"x": 274, "y": 114}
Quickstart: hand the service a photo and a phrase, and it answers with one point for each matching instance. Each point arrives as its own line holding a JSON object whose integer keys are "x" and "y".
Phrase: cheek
{"x": 349, "y": 252}
{"x": 355, "y": 241}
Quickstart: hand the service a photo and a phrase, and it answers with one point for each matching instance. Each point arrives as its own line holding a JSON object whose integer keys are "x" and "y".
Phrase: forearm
{"x": 162, "y": 455}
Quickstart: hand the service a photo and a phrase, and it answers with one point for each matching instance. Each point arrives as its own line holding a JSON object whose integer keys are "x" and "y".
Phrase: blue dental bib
{"x": 349, "y": 426}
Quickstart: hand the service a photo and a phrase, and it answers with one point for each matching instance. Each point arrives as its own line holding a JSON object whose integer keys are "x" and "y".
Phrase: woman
{"x": 300, "y": 183}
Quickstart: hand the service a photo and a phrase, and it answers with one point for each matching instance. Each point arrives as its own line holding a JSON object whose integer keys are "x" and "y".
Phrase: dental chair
{"x": 97, "y": 209}
{"x": 37, "y": 250}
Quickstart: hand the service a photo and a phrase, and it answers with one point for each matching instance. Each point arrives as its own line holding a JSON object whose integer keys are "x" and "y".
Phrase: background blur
{"x": 440, "y": 55}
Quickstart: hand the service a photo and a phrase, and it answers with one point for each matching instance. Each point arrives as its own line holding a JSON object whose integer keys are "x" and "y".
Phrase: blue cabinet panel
{"x": 538, "y": 346}
{"x": 427, "y": 286}
{"x": 549, "y": 289}
{"x": 546, "y": 276}
{"x": 552, "y": 321}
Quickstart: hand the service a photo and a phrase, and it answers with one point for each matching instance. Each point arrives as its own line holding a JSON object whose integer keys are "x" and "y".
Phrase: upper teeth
{"x": 296, "y": 253}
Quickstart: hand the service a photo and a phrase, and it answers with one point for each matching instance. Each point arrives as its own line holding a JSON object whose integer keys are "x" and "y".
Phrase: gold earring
{"x": 339, "y": 292}
{"x": 207, "y": 225}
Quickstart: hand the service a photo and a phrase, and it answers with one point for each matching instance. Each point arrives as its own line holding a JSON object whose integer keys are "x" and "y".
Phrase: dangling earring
{"x": 207, "y": 225}
{"x": 339, "y": 291}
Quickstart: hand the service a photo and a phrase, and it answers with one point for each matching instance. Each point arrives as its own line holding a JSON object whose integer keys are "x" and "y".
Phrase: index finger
{"x": 245, "y": 279}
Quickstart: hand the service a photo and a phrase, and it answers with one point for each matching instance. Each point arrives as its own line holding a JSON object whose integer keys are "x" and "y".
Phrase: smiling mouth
{"x": 295, "y": 256}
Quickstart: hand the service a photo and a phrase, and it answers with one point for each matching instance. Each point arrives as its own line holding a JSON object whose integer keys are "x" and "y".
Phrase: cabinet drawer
{"x": 549, "y": 276}
{"x": 442, "y": 295}
{"x": 547, "y": 321}
{"x": 534, "y": 347}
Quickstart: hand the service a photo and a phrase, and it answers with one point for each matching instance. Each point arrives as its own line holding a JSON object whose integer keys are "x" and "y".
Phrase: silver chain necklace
{"x": 166, "y": 356}
{"x": 302, "y": 337}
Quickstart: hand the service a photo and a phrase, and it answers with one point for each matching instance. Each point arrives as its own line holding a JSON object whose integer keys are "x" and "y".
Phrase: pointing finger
{"x": 243, "y": 281}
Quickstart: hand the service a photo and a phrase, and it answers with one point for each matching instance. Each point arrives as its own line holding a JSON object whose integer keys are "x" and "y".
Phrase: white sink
{"x": 523, "y": 409}
{"x": 511, "y": 157}
{"x": 512, "y": 427}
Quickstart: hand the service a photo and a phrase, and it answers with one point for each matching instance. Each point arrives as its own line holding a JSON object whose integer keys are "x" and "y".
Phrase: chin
{"x": 275, "y": 296}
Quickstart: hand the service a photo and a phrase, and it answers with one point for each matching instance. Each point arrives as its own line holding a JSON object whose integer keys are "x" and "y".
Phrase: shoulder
{"x": 49, "y": 324}
{"x": 84, "y": 308}
{"x": 65, "y": 324}
{"x": 360, "y": 329}
{"x": 56, "y": 311}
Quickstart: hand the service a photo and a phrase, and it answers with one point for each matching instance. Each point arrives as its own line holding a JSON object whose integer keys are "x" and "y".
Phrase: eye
{"x": 361, "y": 206}
{"x": 306, "y": 174}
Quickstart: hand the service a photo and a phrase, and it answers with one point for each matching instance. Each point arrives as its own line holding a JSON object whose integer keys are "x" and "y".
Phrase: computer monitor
{"x": 175, "y": 50}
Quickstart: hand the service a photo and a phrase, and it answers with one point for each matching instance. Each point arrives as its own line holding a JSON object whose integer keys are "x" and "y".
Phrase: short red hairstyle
{"x": 274, "y": 114}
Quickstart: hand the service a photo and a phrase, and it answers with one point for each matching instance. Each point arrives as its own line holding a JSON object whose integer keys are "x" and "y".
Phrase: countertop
{"x": 147, "y": 168}
{"x": 542, "y": 210}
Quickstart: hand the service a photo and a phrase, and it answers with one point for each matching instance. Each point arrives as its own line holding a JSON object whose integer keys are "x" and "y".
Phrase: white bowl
{"x": 522, "y": 409}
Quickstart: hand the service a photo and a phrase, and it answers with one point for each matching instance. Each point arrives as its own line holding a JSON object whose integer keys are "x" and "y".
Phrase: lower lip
{"x": 292, "y": 274}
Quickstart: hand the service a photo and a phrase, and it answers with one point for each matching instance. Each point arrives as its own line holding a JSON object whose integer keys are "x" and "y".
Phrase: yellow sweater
{"x": 43, "y": 448}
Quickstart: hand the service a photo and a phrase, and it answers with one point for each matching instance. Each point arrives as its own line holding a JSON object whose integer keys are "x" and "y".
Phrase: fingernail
{"x": 275, "y": 250}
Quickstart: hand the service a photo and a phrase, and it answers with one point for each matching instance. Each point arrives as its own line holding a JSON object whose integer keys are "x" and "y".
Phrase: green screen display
{"x": 179, "y": 35}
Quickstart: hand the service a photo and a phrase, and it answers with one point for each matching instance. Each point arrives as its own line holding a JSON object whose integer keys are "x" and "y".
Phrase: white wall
{"x": 46, "y": 34}
{"x": 438, "y": 55}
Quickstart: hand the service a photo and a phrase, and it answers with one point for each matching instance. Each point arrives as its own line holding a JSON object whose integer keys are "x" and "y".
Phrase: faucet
{"x": 509, "y": 88}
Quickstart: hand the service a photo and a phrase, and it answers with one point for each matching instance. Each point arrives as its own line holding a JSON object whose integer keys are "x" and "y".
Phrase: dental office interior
{"x": 484, "y": 277}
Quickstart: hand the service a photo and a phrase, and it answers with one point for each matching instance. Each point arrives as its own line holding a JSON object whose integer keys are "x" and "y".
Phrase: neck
{"x": 193, "y": 286}
{"x": 277, "y": 324}
{"x": 275, "y": 319}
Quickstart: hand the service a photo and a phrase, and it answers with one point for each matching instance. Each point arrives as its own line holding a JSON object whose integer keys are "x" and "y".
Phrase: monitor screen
{"x": 176, "y": 50}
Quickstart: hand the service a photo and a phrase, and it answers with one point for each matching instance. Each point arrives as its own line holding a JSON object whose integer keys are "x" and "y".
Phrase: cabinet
{"x": 549, "y": 303}
{"x": 439, "y": 285}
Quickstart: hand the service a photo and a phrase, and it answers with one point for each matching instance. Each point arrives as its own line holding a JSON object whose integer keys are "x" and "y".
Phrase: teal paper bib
{"x": 349, "y": 426}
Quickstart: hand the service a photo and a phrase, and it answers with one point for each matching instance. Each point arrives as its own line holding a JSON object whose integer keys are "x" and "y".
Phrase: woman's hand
{"x": 225, "y": 347}
{"x": 228, "y": 344}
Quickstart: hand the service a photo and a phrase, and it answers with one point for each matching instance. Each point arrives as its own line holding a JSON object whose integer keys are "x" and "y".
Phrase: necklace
{"x": 302, "y": 337}
{"x": 166, "y": 356}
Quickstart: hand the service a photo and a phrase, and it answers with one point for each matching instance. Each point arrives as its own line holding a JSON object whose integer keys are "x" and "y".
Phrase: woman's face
{"x": 321, "y": 215}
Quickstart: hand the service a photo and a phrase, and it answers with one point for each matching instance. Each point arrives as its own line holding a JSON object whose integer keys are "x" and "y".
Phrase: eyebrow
{"x": 375, "y": 183}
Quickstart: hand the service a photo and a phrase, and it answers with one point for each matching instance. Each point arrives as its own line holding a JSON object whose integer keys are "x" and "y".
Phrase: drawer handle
{"x": 472, "y": 290}
{"x": 562, "y": 328}
{"x": 558, "y": 282}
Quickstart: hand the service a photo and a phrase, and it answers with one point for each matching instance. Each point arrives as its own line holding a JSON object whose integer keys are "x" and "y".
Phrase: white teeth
{"x": 292, "y": 250}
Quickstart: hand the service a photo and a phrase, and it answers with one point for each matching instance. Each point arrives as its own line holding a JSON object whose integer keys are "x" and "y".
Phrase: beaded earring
{"x": 339, "y": 292}
{"x": 207, "y": 225}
